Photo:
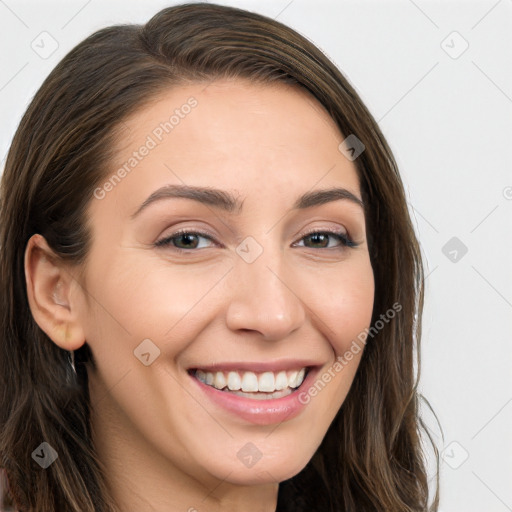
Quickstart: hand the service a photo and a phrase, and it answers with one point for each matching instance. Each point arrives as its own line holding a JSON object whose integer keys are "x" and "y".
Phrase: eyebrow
{"x": 226, "y": 201}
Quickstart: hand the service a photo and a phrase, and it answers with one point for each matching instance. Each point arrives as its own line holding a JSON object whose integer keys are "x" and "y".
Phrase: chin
{"x": 263, "y": 471}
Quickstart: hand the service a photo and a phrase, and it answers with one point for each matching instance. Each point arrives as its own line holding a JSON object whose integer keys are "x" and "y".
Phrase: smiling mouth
{"x": 256, "y": 385}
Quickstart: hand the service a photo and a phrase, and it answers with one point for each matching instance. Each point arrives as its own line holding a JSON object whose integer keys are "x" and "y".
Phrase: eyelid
{"x": 324, "y": 230}
{"x": 346, "y": 240}
{"x": 201, "y": 232}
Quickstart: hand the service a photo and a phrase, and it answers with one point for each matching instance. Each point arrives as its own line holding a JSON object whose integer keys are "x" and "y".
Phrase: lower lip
{"x": 260, "y": 412}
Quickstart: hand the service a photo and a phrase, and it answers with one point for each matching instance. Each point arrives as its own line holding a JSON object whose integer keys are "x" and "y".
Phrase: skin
{"x": 166, "y": 447}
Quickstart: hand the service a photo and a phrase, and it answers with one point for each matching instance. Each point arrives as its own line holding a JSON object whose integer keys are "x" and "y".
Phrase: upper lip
{"x": 258, "y": 366}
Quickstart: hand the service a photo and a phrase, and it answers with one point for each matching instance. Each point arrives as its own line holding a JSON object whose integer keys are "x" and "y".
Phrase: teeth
{"x": 250, "y": 382}
{"x": 266, "y": 382}
{"x": 292, "y": 379}
{"x": 281, "y": 381}
{"x": 234, "y": 382}
{"x": 300, "y": 377}
{"x": 295, "y": 380}
{"x": 220, "y": 380}
{"x": 264, "y": 396}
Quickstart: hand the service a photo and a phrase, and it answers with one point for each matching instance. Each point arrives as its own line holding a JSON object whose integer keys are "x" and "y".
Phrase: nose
{"x": 264, "y": 298}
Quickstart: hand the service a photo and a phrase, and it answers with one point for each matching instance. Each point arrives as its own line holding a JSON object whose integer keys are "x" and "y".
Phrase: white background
{"x": 448, "y": 119}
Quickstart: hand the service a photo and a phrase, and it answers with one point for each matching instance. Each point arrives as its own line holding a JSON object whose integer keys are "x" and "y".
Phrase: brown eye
{"x": 183, "y": 240}
{"x": 320, "y": 239}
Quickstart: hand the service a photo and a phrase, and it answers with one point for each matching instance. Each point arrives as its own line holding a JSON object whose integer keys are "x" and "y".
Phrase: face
{"x": 246, "y": 287}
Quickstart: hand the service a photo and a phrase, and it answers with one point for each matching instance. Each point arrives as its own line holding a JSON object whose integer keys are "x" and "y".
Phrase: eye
{"x": 322, "y": 237}
{"x": 186, "y": 240}
{"x": 185, "y": 237}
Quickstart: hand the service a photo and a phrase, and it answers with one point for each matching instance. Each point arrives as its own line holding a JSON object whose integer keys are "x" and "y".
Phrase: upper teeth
{"x": 252, "y": 382}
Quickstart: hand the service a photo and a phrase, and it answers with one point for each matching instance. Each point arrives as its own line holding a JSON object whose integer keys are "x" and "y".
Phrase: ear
{"x": 51, "y": 289}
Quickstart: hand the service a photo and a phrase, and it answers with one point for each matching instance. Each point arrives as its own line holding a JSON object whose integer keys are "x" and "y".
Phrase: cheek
{"x": 141, "y": 298}
{"x": 343, "y": 302}
{"x": 147, "y": 297}
{"x": 343, "y": 308}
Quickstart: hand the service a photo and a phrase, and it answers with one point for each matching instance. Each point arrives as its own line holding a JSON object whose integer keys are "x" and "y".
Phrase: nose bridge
{"x": 263, "y": 298}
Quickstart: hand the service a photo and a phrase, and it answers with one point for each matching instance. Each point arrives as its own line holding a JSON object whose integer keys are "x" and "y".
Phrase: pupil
{"x": 187, "y": 236}
{"x": 316, "y": 237}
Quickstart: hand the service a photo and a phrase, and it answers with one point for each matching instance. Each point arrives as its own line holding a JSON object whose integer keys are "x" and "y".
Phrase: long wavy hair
{"x": 372, "y": 458}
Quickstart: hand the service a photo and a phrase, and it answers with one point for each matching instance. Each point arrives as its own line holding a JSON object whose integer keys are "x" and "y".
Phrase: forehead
{"x": 239, "y": 100}
{"x": 232, "y": 117}
{"x": 232, "y": 134}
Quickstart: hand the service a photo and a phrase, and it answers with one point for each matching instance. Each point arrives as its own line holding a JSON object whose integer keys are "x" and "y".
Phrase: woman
{"x": 211, "y": 287}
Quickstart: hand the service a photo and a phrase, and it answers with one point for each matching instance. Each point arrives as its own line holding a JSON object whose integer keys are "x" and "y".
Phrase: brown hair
{"x": 371, "y": 458}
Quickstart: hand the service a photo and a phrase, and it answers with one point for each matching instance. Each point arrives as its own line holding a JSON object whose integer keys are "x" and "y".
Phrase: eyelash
{"x": 345, "y": 240}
